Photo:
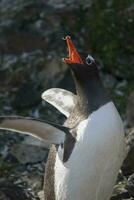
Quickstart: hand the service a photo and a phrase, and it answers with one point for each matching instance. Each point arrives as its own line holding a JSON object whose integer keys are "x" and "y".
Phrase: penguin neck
{"x": 91, "y": 95}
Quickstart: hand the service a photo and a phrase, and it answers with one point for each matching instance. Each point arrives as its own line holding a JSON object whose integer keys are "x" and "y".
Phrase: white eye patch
{"x": 89, "y": 60}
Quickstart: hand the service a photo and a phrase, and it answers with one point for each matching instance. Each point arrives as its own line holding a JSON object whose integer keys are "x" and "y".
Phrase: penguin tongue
{"x": 74, "y": 56}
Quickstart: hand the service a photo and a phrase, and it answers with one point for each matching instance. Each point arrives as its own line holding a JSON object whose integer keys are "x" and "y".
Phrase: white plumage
{"x": 91, "y": 171}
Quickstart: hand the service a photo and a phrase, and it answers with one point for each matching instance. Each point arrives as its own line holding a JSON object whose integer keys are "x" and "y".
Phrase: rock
{"x": 53, "y": 73}
{"x": 62, "y": 4}
{"x": 26, "y": 96}
{"x": 128, "y": 165}
{"x": 130, "y": 185}
{"x": 41, "y": 22}
{"x": 17, "y": 42}
{"x": 122, "y": 84}
{"x": 123, "y": 196}
{"x": 108, "y": 80}
{"x": 33, "y": 179}
{"x": 120, "y": 191}
{"x": 14, "y": 9}
{"x": 41, "y": 195}
{"x": 28, "y": 153}
{"x": 130, "y": 109}
{"x": 124, "y": 186}
{"x": 10, "y": 191}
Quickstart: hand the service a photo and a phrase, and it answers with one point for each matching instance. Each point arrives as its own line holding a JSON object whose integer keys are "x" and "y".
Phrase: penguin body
{"x": 89, "y": 148}
{"x": 92, "y": 168}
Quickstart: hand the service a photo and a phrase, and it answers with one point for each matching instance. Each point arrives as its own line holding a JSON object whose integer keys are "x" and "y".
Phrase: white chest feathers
{"x": 91, "y": 171}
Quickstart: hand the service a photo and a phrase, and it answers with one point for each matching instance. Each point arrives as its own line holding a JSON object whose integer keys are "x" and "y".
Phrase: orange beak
{"x": 74, "y": 56}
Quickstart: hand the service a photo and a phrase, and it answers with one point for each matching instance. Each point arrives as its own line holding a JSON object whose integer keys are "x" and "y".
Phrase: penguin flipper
{"x": 63, "y": 100}
{"x": 43, "y": 130}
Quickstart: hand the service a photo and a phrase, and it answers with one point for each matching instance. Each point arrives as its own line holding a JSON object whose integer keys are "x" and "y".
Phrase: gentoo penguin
{"x": 88, "y": 150}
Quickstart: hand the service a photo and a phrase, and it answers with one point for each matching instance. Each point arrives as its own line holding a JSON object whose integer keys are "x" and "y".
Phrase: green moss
{"x": 110, "y": 29}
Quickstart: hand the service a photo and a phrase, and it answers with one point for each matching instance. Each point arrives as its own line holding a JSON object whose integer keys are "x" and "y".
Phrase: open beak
{"x": 74, "y": 56}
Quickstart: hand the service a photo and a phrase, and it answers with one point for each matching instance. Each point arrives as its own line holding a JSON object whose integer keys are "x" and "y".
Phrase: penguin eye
{"x": 89, "y": 60}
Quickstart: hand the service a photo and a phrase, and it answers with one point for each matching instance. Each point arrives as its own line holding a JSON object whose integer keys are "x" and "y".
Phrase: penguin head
{"x": 89, "y": 88}
{"x": 82, "y": 65}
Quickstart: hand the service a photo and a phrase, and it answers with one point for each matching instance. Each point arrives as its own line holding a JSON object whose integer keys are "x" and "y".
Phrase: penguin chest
{"x": 91, "y": 170}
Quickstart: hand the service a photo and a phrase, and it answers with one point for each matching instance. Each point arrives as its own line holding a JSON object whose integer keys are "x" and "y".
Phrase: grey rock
{"x": 13, "y": 9}
{"x": 109, "y": 81}
{"x": 128, "y": 165}
{"x": 8, "y": 62}
{"x": 28, "y": 153}
{"x": 120, "y": 191}
{"x": 121, "y": 84}
{"x": 32, "y": 178}
{"x": 10, "y": 191}
{"x": 60, "y": 4}
{"x": 41, "y": 21}
{"x": 119, "y": 93}
{"x": 130, "y": 109}
{"x": 41, "y": 195}
{"x": 26, "y": 96}
{"x": 17, "y": 42}
{"x": 53, "y": 73}
{"x": 130, "y": 185}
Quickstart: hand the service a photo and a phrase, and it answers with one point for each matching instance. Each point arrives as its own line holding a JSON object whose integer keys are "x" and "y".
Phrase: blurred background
{"x": 31, "y": 48}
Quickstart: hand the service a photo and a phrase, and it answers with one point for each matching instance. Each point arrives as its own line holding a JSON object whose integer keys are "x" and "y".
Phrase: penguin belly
{"x": 92, "y": 168}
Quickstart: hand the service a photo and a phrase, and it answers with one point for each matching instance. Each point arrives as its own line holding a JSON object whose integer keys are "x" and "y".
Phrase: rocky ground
{"x": 31, "y": 49}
